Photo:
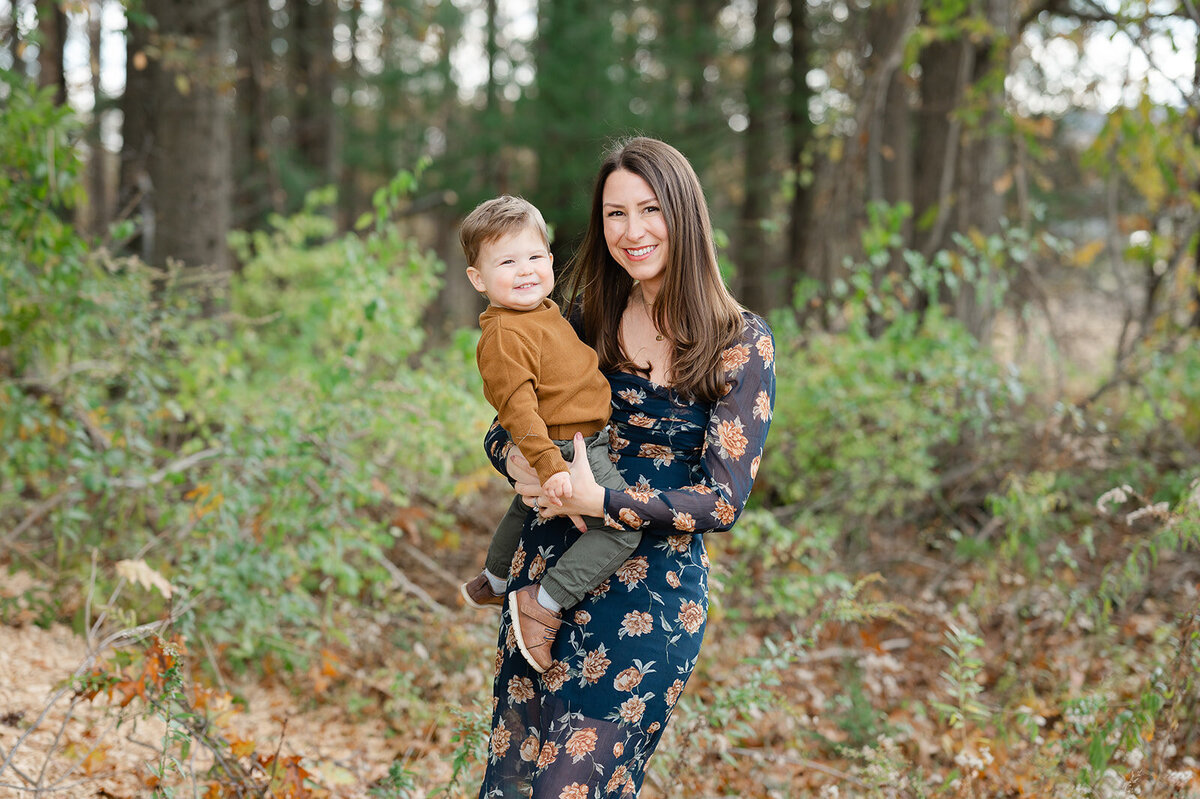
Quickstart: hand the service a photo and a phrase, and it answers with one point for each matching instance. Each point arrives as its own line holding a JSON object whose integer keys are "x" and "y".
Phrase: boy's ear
{"x": 476, "y": 279}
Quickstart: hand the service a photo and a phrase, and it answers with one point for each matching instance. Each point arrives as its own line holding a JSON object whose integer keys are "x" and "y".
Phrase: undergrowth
{"x": 941, "y": 589}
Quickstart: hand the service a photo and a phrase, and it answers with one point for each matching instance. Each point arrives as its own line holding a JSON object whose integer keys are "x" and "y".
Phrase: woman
{"x": 693, "y": 384}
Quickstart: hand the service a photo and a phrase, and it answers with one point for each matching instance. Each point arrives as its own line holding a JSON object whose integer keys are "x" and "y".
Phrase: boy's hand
{"x": 558, "y": 487}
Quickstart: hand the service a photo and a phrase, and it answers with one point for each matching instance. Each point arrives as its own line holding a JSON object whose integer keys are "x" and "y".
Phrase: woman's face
{"x": 635, "y": 229}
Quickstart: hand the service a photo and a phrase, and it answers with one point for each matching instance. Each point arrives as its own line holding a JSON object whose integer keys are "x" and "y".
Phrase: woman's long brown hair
{"x": 694, "y": 307}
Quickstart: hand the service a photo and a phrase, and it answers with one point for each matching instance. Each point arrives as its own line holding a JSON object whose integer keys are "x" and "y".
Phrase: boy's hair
{"x": 497, "y": 217}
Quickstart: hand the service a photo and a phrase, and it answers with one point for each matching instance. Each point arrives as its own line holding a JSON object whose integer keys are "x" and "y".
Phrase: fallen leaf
{"x": 138, "y": 571}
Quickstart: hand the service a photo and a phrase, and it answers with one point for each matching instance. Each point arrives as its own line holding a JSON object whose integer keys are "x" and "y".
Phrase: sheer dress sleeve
{"x": 731, "y": 454}
{"x": 497, "y": 443}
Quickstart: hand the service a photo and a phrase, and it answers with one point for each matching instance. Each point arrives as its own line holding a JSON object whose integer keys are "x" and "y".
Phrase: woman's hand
{"x": 587, "y": 496}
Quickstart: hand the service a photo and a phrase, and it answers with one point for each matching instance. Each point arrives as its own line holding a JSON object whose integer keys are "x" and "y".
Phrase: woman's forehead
{"x": 623, "y": 187}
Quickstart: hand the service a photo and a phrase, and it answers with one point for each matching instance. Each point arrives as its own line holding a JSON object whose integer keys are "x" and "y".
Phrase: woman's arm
{"x": 733, "y": 448}
{"x": 497, "y": 443}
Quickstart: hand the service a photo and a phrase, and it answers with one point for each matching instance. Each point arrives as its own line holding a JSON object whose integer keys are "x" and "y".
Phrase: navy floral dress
{"x": 587, "y": 727}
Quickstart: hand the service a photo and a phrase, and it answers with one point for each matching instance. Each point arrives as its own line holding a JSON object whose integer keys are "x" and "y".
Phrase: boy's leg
{"x": 603, "y": 469}
{"x": 596, "y": 554}
{"x": 506, "y": 538}
{"x": 488, "y": 587}
{"x": 589, "y": 561}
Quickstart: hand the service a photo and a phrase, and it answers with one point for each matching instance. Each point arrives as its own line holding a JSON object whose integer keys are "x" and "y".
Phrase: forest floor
{"x": 851, "y": 713}
{"x": 402, "y": 685}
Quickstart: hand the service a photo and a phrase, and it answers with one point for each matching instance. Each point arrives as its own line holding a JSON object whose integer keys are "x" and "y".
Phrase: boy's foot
{"x": 535, "y": 627}
{"x": 478, "y": 593}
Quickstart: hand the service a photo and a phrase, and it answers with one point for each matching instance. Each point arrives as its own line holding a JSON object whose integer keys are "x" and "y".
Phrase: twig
{"x": 278, "y": 749}
{"x": 429, "y": 563}
{"x": 62, "y": 730}
{"x": 798, "y": 761}
{"x": 403, "y": 580}
{"x": 843, "y": 652}
{"x": 199, "y": 731}
{"x": 47, "y": 383}
{"x": 34, "y": 515}
{"x": 212, "y": 659}
{"x": 42, "y": 717}
{"x": 123, "y": 637}
{"x": 56, "y": 788}
{"x": 171, "y": 468}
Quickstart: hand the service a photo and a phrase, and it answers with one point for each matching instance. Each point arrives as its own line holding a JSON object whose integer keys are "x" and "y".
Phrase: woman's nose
{"x": 634, "y": 228}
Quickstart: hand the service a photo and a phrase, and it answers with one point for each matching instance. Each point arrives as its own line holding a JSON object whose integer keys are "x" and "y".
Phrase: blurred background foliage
{"x": 235, "y": 342}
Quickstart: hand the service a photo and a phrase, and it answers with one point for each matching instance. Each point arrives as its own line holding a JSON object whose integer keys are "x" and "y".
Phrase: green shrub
{"x": 253, "y": 459}
{"x": 862, "y": 423}
{"x": 870, "y": 417}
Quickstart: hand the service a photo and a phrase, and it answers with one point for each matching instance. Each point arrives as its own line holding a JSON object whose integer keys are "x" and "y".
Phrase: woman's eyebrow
{"x": 639, "y": 202}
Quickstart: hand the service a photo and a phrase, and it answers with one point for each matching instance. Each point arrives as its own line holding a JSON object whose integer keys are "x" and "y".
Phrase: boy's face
{"x": 515, "y": 270}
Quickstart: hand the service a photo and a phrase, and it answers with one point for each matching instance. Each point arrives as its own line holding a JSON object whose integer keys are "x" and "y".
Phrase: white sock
{"x": 499, "y": 584}
{"x": 547, "y": 601}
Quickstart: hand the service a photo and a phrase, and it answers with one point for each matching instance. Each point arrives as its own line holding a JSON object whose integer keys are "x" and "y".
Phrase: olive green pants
{"x": 593, "y": 557}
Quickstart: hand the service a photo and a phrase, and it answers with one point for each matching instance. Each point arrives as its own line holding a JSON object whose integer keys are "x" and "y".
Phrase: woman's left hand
{"x": 587, "y": 496}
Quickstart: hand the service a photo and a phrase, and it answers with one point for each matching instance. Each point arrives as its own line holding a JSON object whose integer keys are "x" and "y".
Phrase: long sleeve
{"x": 732, "y": 451}
{"x": 497, "y": 443}
{"x": 507, "y": 361}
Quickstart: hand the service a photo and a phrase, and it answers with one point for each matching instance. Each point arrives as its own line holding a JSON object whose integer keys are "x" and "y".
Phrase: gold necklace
{"x": 649, "y": 317}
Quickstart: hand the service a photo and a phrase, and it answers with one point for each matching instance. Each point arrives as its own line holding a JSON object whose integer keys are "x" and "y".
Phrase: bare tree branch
{"x": 180, "y": 465}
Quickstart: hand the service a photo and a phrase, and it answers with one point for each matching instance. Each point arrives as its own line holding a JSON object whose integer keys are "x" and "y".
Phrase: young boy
{"x": 545, "y": 385}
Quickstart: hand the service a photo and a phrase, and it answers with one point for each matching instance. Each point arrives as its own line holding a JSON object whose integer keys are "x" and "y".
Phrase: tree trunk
{"x": 944, "y": 75}
{"x": 890, "y": 155}
{"x": 491, "y": 114}
{"x": 189, "y": 165}
{"x": 886, "y": 118}
{"x": 389, "y": 103}
{"x": 98, "y": 189}
{"x": 800, "y": 262}
{"x": 348, "y": 201}
{"x": 690, "y": 47}
{"x": 580, "y": 100}
{"x": 312, "y": 87}
{"x": 985, "y": 159}
{"x": 15, "y": 43}
{"x": 1195, "y": 321}
{"x": 133, "y": 189}
{"x": 756, "y": 281}
{"x": 255, "y": 150}
{"x": 52, "y": 25}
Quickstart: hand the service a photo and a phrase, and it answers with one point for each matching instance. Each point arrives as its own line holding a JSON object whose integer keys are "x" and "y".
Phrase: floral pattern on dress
{"x": 624, "y": 654}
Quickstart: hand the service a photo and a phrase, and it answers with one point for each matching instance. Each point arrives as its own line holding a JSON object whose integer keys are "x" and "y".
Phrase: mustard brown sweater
{"x": 544, "y": 382}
